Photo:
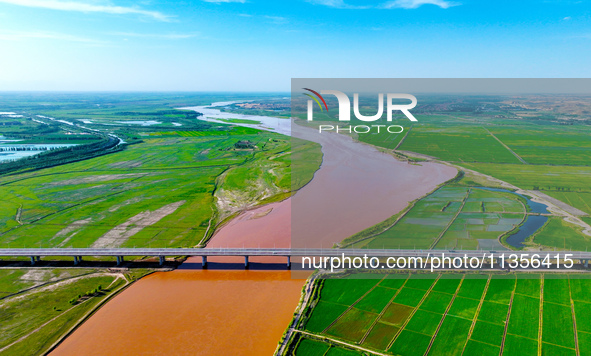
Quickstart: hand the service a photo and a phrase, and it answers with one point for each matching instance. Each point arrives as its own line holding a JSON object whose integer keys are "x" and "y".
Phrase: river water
{"x": 236, "y": 312}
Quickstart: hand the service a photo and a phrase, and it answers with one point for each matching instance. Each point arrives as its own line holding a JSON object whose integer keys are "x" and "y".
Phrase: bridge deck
{"x": 295, "y": 252}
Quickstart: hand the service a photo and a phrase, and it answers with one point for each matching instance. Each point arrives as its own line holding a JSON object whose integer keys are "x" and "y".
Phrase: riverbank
{"x": 245, "y": 312}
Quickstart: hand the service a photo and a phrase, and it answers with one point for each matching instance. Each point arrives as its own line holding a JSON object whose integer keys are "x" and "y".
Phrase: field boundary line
{"x": 444, "y": 316}
{"x": 508, "y": 317}
{"x": 32, "y": 222}
{"x": 412, "y": 313}
{"x": 382, "y": 312}
{"x": 77, "y": 324}
{"x": 504, "y": 145}
{"x": 352, "y": 305}
{"x": 484, "y": 343}
{"x": 475, "y": 319}
{"x": 402, "y": 215}
{"x": 572, "y": 308}
{"x": 336, "y": 341}
{"x": 451, "y": 221}
{"x": 561, "y": 346}
{"x": 521, "y": 336}
{"x": 404, "y": 138}
{"x": 30, "y": 289}
{"x": 541, "y": 315}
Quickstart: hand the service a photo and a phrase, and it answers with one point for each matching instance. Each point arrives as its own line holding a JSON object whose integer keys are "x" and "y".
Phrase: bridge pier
{"x": 120, "y": 260}
{"x": 161, "y": 260}
{"x": 33, "y": 259}
{"x": 203, "y": 261}
{"x": 288, "y": 261}
{"x": 245, "y": 261}
{"x": 586, "y": 263}
{"x": 76, "y": 261}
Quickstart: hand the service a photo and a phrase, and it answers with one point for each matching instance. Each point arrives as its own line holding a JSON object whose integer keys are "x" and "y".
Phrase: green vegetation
{"x": 311, "y": 347}
{"x": 240, "y": 121}
{"x": 451, "y": 217}
{"x": 457, "y": 144}
{"x": 534, "y": 148}
{"x": 569, "y": 184}
{"x": 481, "y": 315}
{"x": 36, "y": 305}
{"x": 142, "y": 173}
{"x": 560, "y": 234}
{"x": 163, "y": 188}
{"x": 176, "y": 188}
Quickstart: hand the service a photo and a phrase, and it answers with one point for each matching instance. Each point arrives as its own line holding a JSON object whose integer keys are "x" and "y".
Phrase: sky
{"x": 259, "y": 45}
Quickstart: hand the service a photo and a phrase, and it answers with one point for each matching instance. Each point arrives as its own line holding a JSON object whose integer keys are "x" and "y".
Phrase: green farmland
{"x": 170, "y": 185}
{"x": 163, "y": 192}
{"x": 452, "y": 217}
{"x": 471, "y": 314}
{"x": 548, "y": 157}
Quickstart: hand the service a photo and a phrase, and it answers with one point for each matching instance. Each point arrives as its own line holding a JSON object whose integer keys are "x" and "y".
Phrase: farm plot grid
{"x": 454, "y": 217}
{"x": 498, "y": 314}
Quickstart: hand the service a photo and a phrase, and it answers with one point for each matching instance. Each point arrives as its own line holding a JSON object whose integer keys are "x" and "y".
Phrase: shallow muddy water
{"x": 192, "y": 312}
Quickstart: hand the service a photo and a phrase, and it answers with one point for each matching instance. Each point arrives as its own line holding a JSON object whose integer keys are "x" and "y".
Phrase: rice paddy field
{"x": 545, "y": 156}
{"x": 449, "y": 314}
{"x": 453, "y": 217}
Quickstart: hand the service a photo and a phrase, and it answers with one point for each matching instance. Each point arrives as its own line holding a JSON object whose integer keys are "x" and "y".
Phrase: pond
{"x": 531, "y": 224}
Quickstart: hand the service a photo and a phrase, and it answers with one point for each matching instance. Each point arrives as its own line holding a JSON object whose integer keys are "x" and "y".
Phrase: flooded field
{"x": 11, "y": 152}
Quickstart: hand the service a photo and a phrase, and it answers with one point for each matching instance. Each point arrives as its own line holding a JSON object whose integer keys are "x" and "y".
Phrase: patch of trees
{"x": 10, "y": 123}
{"x": 93, "y": 293}
{"x": 243, "y": 145}
{"x": 31, "y": 132}
{"x": 26, "y": 148}
{"x": 159, "y": 113}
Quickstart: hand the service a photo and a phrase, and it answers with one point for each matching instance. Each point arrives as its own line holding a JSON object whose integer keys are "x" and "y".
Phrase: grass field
{"x": 37, "y": 306}
{"x": 456, "y": 144}
{"x": 163, "y": 192}
{"x": 456, "y": 314}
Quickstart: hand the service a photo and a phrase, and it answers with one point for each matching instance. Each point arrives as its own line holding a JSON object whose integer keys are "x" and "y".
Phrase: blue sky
{"x": 259, "y": 45}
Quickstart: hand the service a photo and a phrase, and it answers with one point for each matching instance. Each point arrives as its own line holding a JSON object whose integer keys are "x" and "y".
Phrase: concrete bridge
{"x": 35, "y": 254}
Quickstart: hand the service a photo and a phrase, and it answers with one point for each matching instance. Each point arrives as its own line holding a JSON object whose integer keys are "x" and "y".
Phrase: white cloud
{"x": 276, "y": 19}
{"x": 225, "y": 1}
{"x": 85, "y": 7}
{"x": 401, "y": 4}
{"x": 16, "y": 36}
{"x": 339, "y": 4}
{"x": 166, "y": 36}
{"x": 413, "y": 4}
{"x": 567, "y": 18}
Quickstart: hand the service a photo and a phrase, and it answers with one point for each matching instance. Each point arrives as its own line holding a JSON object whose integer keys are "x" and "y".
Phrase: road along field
{"x": 447, "y": 314}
